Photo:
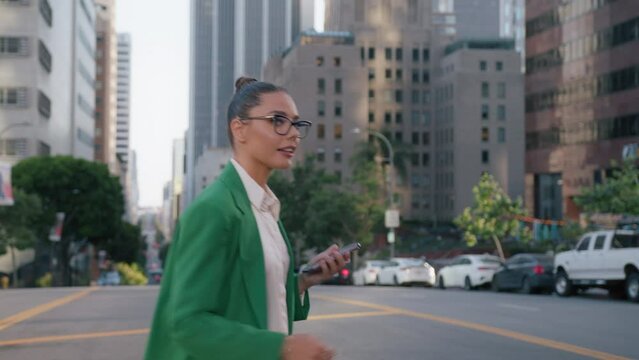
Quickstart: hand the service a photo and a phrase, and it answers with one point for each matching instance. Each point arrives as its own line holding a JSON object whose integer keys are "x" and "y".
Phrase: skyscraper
{"x": 123, "y": 100}
{"x": 106, "y": 84}
{"x": 47, "y": 74}
{"x": 228, "y": 39}
{"x": 582, "y": 91}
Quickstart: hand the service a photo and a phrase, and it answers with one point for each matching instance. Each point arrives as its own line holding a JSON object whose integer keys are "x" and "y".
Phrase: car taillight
{"x": 538, "y": 269}
{"x": 345, "y": 272}
{"x": 483, "y": 268}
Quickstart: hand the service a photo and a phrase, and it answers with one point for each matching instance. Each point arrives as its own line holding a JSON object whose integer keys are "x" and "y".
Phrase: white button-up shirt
{"x": 266, "y": 209}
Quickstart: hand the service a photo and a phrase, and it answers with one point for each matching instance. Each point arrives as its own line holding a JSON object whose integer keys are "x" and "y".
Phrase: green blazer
{"x": 212, "y": 302}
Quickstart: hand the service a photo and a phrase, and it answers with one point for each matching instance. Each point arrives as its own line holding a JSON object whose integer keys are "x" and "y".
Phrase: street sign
{"x": 391, "y": 219}
{"x": 56, "y": 230}
{"x": 390, "y": 237}
{"x": 6, "y": 191}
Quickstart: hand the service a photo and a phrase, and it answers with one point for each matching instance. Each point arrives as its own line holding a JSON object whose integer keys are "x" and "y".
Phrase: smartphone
{"x": 315, "y": 268}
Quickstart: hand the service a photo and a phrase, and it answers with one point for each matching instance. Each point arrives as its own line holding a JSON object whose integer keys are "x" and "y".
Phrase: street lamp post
{"x": 391, "y": 184}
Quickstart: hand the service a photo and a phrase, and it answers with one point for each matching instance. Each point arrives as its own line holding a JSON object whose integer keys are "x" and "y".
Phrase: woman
{"x": 229, "y": 290}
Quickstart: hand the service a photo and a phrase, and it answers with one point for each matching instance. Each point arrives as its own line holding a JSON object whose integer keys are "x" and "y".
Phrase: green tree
{"x": 492, "y": 215}
{"x": 89, "y": 196}
{"x": 618, "y": 195}
{"x": 16, "y": 225}
{"x": 126, "y": 245}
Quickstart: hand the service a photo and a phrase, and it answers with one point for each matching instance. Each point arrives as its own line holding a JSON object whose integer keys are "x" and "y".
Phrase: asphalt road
{"x": 359, "y": 323}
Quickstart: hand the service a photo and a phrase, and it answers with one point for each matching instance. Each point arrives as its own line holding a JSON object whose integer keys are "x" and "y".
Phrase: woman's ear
{"x": 238, "y": 129}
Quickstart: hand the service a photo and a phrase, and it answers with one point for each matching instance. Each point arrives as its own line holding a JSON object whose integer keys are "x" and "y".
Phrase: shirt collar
{"x": 263, "y": 200}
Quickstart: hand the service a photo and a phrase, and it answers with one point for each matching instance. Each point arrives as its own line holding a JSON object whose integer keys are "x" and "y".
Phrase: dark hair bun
{"x": 243, "y": 81}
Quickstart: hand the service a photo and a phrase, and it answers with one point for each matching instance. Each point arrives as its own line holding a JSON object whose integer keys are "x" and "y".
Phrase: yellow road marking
{"x": 27, "y": 314}
{"x": 483, "y": 328}
{"x": 46, "y": 339}
{"x": 350, "y": 315}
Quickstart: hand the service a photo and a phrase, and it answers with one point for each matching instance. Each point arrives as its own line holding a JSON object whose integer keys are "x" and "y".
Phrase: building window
{"x": 338, "y": 175}
{"x": 415, "y": 55}
{"x": 338, "y": 86}
{"x": 14, "y": 45}
{"x": 482, "y": 65}
{"x": 371, "y": 74}
{"x": 485, "y": 134}
{"x": 426, "y": 77}
{"x": 414, "y": 159}
{"x": 425, "y": 55}
{"x": 44, "y": 105}
{"x": 501, "y": 135}
{"x": 485, "y": 90}
{"x": 425, "y": 138}
{"x": 426, "y": 97}
{"x": 485, "y": 112}
{"x": 399, "y": 136}
{"x": 319, "y": 61}
{"x": 415, "y": 76}
{"x": 388, "y": 74}
{"x": 415, "y": 97}
{"x": 13, "y": 147}
{"x": 13, "y": 97}
{"x": 321, "y": 131}
{"x": 46, "y": 12}
{"x": 321, "y": 108}
{"x": 371, "y": 95}
{"x": 321, "y": 86}
{"x": 501, "y": 112}
{"x": 425, "y": 159}
{"x": 485, "y": 157}
{"x": 501, "y": 90}
{"x": 44, "y": 56}
{"x": 399, "y": 96}
{"x": 320, "y": 155}
{"x": 337, "y": 61}
{"x": 371, "y": 117}
{"x": 399, "y": 118}
{"x": 338, "y": 131}
{"x": 371, "y": 53}
{"x": 499, "y": 66}
{"x": 399, "y": 75}
{"x": 44, "y": 149}
{"x": 415, "y": 138}
{"x": 387, "y": 118}
{"x": 338, "y": 108}
{"x": 338, "y": 156}
{"x": 399, "y": 54}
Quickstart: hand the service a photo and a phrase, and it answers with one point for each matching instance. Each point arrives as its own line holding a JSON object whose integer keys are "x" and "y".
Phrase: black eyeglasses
{"x": 282, "y": 125}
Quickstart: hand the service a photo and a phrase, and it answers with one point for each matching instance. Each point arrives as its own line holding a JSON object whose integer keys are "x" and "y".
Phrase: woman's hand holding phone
{"x": 325, "y": 265}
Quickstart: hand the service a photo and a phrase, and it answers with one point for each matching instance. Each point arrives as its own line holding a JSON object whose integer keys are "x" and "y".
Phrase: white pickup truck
{"x": 608, "y": 259}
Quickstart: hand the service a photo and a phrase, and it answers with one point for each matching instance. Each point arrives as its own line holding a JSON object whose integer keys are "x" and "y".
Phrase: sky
{"x": 159, "y": 86}
{"x": 159, "y": 32}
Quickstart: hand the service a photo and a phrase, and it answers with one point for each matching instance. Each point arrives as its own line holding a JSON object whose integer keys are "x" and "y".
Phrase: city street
{"x": 360, "y": 323}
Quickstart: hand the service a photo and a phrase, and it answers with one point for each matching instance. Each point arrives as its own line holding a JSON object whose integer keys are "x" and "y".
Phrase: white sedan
{"x": 366, "y": 274}
{"x": 406, "y": 271}
{"x": 469, "y": 271}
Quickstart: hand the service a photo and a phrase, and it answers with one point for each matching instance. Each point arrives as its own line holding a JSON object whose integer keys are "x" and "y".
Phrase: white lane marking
{"x": 518, "y": 307}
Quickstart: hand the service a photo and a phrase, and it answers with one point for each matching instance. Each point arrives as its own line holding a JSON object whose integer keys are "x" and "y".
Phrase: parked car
{"x": 342, "y": 277}
{"x": 109, "y": 278}
{"x": 528, "y": 273}
{"x": 607, "y": 259}
{"x": 367, "y": 273}
{"x": 406, "y": 271}
{"x": 469, "y": 271}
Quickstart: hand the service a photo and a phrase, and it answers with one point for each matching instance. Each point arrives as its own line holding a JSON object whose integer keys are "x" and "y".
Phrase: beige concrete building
{"x": 396, "y": 42}
{"x": 106, "y": 84}
{"x": 478, "y": 122}
{"x": 324, "y": 74}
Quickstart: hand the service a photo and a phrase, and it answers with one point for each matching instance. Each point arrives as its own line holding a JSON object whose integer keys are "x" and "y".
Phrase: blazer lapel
{"x": 250, "y": 247}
